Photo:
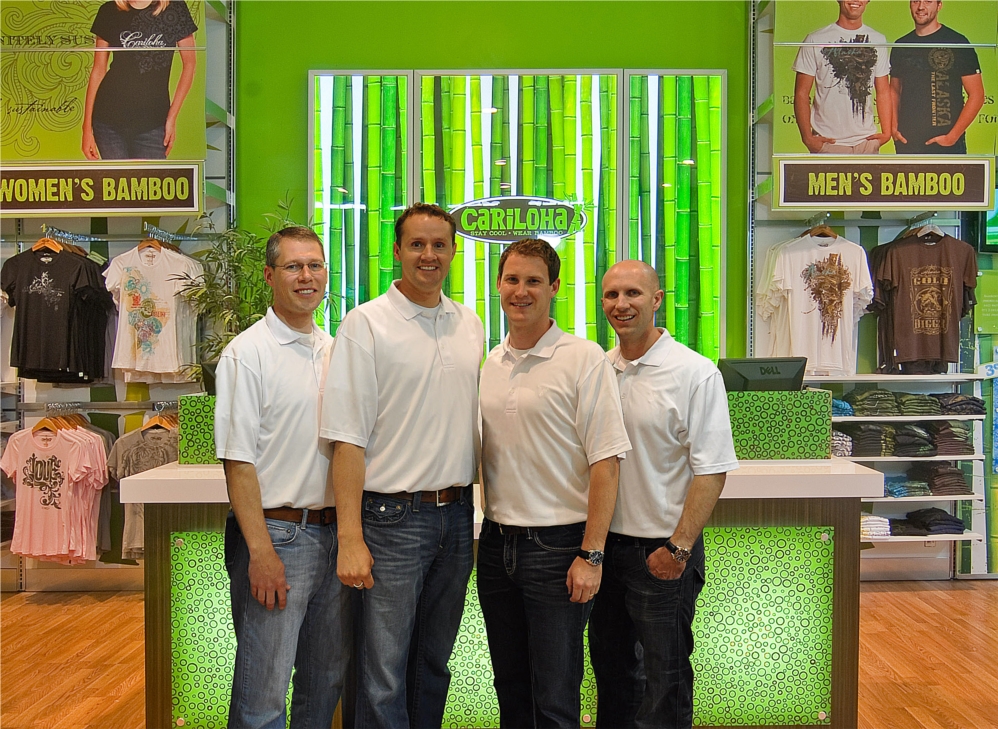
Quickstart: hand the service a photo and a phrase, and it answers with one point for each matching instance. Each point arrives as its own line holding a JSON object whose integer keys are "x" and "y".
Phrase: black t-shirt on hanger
{"x": 135, "y": 93}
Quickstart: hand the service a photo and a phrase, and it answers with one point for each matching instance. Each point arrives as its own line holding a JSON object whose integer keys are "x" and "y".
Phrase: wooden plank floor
{"x": 928, "y": 658}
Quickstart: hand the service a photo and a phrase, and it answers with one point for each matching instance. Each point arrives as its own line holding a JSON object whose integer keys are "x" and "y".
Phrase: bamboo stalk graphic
{"x": 349, "y": 246}
{"x": 496, "y": 189}
{"x": 401, "y": 144}
{"x": 448, "y": 153}
{"x": 571, "y": 243}
{"x": 589, "y": 200}
{"x": 541, "y": 114}
{"x": 715, "y": 203}
{"x": 644, "y": 176}
{"x": 318, "y": 193}
{"x": 429, "y": 143}
{"x": 456, "y": 192}
{"x": 634, "y": 168}
{"x": 668, "y": 213}
{"x": 478, "y": 187}
{"x": 363, "y": 237}
{"x": 373, "y": 184}
{"x": 604, "y": 226}
{"x": 337, "y": 165}
{"x": 611, "y": 252}
{"x": 556, "y": 98}
{"x": 527, "y": 135}
{"x": 707, "y": 320}
{"x": 389, "y": 122}
{"x": 684, "y": 134}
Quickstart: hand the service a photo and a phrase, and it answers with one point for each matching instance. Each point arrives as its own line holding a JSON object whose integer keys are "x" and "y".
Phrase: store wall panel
{"x": 279, "y": 42}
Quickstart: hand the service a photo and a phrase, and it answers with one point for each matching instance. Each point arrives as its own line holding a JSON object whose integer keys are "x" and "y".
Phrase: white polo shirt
{"x": 269, "y": 386}
{"x": 403, "y": 384}
{"x": 676, "y": 413}
{"x": 546, "y": 417}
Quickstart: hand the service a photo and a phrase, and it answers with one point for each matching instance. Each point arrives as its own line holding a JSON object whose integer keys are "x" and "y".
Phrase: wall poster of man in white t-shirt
{"x": 844, "y": 75}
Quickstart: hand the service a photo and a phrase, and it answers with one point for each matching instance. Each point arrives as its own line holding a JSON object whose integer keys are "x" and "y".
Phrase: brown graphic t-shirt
{"x": 928, "y": 286}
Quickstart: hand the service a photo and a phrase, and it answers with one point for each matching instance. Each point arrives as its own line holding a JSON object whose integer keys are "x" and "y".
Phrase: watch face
{"x": 681, "y": 555}
{"x": 595, "y": 557}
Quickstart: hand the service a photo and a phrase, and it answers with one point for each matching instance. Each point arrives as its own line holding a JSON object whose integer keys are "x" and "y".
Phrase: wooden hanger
{"x": 49, "y": 244}
{"x": 157, "y": 421}
{"x": 46, "y": 424}
{"x": 822, "y": 231}
{"x": 150, "y": 243}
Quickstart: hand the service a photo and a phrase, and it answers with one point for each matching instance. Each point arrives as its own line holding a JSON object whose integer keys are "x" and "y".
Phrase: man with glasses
{"x": 288, "y": 608}
{"x": 401, "y": 407}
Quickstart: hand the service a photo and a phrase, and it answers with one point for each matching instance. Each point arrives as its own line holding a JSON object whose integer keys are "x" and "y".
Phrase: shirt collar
{"x": 654, "y": 357}
{"x": 545, "y": 345}
{"x": 410, "y": 310}
{"x": 285, "y": 334}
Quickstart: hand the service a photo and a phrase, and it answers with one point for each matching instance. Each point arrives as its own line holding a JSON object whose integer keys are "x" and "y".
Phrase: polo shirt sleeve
{"x": 350, "y": 398}
{"x": 708, "y": 435}
{"x": 238, "y": 408}
{"x": 599, "y": 420}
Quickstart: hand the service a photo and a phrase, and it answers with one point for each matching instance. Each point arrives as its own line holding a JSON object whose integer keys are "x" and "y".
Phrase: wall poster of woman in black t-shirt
{"x": 128, "y": 112}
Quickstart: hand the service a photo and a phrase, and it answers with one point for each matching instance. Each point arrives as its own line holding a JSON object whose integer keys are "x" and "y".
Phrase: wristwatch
{"x": 593, "y": 556}
{"x": 678, "y": 553}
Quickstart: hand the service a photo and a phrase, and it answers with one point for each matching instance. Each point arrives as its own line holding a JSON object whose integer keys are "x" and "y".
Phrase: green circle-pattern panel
{"x": 781, "y": 425}
{"x": 197, "y": 429}
{"x": 762, "y": 630}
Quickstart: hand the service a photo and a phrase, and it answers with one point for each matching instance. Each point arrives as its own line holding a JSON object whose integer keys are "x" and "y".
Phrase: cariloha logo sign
{"x": 508, "y": 219}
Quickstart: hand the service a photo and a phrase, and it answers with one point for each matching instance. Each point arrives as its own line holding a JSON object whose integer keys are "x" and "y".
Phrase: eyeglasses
{"x": 315, "y": 267}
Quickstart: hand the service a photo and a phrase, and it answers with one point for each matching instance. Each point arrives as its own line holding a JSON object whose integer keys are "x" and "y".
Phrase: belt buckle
{"x": 436, "y": 496}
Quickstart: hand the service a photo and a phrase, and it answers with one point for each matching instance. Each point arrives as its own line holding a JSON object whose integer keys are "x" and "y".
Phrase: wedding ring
{"x": 359, "y": 585}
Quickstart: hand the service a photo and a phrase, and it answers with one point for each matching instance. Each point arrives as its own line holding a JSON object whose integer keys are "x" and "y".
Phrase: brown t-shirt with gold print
{"x": 928, "y": 284}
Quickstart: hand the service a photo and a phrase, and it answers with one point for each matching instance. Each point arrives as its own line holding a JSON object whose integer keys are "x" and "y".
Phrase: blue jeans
{"x": 641, "y": 638}
{"x": 114, "y": 143}
{"x": 534, "y": 630}
{"x": 423, "y": 555}
{"x": 310, "y": 634}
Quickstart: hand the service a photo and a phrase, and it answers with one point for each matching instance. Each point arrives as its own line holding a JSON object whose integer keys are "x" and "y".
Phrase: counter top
{"x": 825, "y": 479}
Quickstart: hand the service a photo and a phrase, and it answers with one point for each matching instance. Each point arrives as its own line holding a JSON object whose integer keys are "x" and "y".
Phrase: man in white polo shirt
{"x": 401, "y": 408}
{"x": 552, "y": 432}
{"x": 288, "y": 608}
{"x": 676, "y": 413}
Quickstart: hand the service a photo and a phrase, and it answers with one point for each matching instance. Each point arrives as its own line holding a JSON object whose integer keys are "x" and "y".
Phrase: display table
{"x": 776, "y": 630}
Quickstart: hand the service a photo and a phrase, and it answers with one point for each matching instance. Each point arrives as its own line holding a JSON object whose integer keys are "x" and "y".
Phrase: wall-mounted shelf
{"x": 916, "y": 499}
{"x": 914, "y": 379}
{"x": 967, "y": 536}
{"x": 904, "y": 459}
{"x": 900, "y": 418}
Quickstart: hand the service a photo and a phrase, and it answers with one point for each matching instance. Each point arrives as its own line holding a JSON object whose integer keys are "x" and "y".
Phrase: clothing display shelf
{"x": 896, "y": 507}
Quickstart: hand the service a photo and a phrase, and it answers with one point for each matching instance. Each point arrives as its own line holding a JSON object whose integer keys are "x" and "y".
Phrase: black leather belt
{"x": 321, "y": 517}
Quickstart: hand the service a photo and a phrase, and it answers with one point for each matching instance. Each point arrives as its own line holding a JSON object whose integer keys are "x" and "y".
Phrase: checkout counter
{"x": 776, "y": 629}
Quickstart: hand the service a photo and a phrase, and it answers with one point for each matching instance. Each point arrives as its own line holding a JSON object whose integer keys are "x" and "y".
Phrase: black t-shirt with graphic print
{"x": 931, "y": 88}
{"x": 135, "y": 93}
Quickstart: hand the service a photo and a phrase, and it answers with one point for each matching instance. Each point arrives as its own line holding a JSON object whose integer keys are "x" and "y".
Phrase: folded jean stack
{"x": 934, "y": 521}
{"x": 944, "y": 479}
{"x": 840, "y": 408}
{"x": 872, "y": 402}
{"x": 871, "y": 439}
{"x": 913, "y": 441}
{"x": 954, "y": 403}
{"x": 912, "y": 404}
{"x": 841, "y": 444}
{"x": 952, "y": 438}
{"x": 874, "y": 527}
{"x": 899, "y": 487}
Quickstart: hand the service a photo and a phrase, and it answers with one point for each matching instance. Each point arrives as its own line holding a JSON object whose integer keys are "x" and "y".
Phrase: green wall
{"x": 278, "y": 42}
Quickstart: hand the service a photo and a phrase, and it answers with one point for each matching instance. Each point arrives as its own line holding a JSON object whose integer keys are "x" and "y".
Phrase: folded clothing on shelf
{"x": 914, "y": 404}
{"x": 904, "y": 528}
{"x": 874, "y": 526}
{"x": 841, "y": 444}
{"x": 935, "y": 521}
{"x": 901, "y": 486}
{"x": 871, "y": 439}
{"x": 944, "y": 479}
{"x": 872, "y": 402}
{"x": 840, "y": 408}
{"x": 955, "y": 403}
{"x": 913, "y": 441}
{"x": 952, "y": 437}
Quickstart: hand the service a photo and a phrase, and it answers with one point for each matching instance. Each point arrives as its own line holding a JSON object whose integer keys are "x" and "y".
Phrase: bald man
{"x": 676, "y": 416}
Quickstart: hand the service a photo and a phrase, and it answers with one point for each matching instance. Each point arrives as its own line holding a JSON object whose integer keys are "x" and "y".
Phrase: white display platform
{"x": 834, "y": 478}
